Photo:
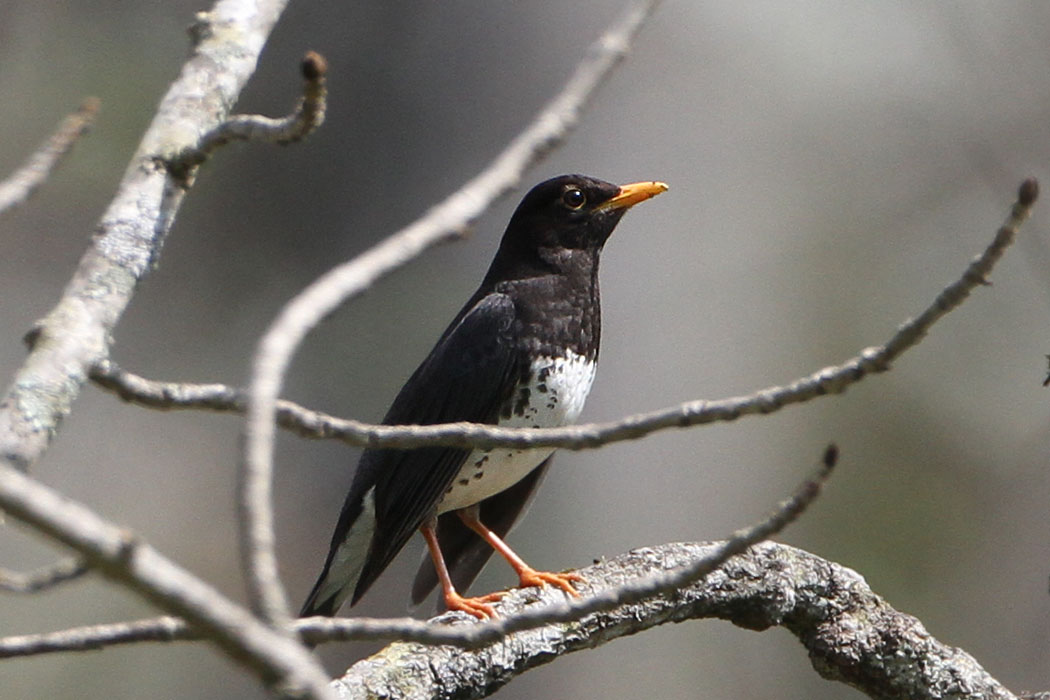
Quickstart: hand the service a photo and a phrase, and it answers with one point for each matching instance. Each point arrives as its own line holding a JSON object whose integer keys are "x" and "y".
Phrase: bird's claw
{"x": 532, "y": 578}
{"x": 477, "y": 606}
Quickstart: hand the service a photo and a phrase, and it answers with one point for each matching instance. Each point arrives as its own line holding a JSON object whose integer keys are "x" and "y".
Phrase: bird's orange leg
{"x": 526, "y": 574}
{"x": 478, "y": 607}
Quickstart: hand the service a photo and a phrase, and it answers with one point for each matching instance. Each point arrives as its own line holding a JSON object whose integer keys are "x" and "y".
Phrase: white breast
{"x": 553, "y": 396}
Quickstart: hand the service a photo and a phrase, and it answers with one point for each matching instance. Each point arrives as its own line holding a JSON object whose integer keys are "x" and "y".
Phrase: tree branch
{"x": 304, "y": 120}
{"x": 118, "y": 554}
{"x": 43, "y": 578}
{"x": 830, "y": 380}
{"x": 75, "y": 335}
{"x": 22, "y": 183}
{"x": 323, "y": 629}
{"x": 301, "y": 314}
{"x": 852, "y": 635}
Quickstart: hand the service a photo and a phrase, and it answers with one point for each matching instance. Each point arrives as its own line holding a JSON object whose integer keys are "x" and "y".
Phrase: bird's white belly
{"x": 553, "y": 396}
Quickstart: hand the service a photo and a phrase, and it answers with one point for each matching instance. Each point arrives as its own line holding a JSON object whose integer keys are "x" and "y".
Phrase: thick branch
{"x": 75, "y": 335}
{"x": 308, "y": 423}
{"x": 22, "y": 183}
{"x": 852, "y": 635}
{"x": 305, "y": 311}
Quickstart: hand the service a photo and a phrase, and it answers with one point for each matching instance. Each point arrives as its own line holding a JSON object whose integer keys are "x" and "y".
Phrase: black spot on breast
{"x": 542, "y": 388}
{"x": 463, "y": 482}
{"x": 479, "y": 475}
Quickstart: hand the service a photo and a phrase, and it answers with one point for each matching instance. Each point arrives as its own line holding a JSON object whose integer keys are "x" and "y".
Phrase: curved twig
{"x": 307, "y": 117}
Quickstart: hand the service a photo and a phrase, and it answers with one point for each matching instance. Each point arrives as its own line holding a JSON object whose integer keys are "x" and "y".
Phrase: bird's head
{"x": 567, "y": 215}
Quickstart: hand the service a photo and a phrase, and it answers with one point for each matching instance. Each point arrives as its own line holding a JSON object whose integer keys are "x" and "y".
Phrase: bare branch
{"x": 301, "y": 314}
{"x": 43, "y": 578}
{"x": 75, "y": 335}
{"x": 307, "y": 117}
{"x": 22, "y": 183}
{"x": 322, "y": 629}
{"x": 93, "y": 637}
{"x": 830, "y": 380}
{"x": 852, "y": 635}
{"x": 121, "y": 556}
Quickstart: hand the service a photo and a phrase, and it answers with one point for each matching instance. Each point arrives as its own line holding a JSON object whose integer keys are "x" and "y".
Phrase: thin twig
{"x": 22, "y": 183}
{"x": 830, "y": 380}
{"x": 154, "y": 629}
{"x": 307, "y": 117}
{"x": 43, "y": 578}
{"x": 303, "y": 313}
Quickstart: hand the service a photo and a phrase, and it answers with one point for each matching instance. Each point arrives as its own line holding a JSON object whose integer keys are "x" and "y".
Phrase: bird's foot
{"x": 529, "y": 577}
{"x": 477, "y": 606}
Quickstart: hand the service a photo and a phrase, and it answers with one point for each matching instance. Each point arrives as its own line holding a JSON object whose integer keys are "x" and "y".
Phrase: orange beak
{"x": 632, "y": 194}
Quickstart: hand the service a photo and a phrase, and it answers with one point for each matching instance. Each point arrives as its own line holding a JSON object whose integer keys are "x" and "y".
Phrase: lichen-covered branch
{"x": 852, "y": 634}
{"x": 75, "y": 335}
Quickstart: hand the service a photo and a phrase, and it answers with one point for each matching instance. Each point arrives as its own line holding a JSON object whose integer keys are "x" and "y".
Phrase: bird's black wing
{"x": 467, "y": 377}
{"x": 465, "y": 552}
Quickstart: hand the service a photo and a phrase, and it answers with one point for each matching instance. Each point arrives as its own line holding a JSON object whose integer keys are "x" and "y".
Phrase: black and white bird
{"x": 522, "y": 352}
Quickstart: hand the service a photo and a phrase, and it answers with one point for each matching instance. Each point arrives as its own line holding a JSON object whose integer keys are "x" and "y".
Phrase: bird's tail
{"x": 346, "y": 558}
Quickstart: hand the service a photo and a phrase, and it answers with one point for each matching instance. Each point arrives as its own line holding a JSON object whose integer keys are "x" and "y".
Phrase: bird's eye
{"x": 573, "y": 198}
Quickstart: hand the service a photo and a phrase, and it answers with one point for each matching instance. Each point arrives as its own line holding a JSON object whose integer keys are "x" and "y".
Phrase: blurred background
{"x": 832, "y": 166}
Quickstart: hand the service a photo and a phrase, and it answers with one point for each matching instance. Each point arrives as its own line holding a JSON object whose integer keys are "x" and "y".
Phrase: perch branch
{"x": 301, "y": 314}
{"x": 830, "y": 380}
{"x": 852, "y": 635}
{"x": 22, "y": 183}
{"x": 322, "y": 629}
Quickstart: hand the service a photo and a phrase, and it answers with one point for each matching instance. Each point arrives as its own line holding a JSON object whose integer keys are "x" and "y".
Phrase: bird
{"x": 522, "y": 352}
